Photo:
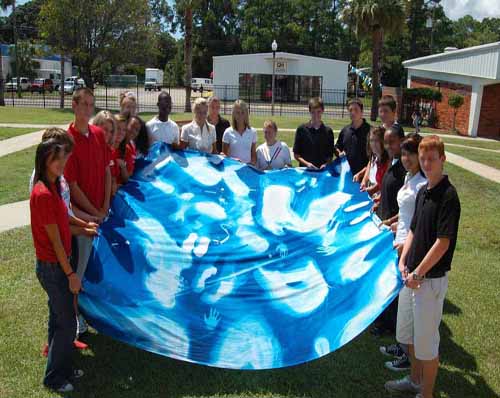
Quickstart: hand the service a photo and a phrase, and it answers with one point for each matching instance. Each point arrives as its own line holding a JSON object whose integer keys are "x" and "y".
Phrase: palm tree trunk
{"x": 14, "y": 33}
{"x": 61, "y": 85}
{"x": 377, "y": 38}
{"x": 2, "y": 82}
{"x": 188, "y": 54}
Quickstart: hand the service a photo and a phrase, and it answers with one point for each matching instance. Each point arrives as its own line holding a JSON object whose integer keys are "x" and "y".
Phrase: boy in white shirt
{"x": 161, "y": 128}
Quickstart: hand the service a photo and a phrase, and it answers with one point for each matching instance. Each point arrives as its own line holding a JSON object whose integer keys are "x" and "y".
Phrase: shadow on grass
{"x": 114, "y": 369}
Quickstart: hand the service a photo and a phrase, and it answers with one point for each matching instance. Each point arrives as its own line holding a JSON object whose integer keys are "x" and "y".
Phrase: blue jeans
{"x": 62, "y": 323}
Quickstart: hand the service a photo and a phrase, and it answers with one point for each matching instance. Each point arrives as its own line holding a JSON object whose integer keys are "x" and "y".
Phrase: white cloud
{"x": 479, "y": 9}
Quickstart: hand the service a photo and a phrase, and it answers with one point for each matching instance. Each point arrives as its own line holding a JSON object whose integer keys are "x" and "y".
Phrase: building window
{"x": 288, "y": 88}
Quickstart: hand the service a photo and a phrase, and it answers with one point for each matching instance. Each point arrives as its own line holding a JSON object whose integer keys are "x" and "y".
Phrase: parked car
{"x": 40, "y": 85}
{"x": 12, "y": 84}
{"x": 70, "y": 87}
{"x": 71, "y": 84}
{"x": 199, "y": 84}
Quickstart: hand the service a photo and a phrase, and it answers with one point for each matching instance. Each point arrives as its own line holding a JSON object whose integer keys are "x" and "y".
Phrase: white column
{"x": 408, "y": 81}
{"x": 476, "y": 100}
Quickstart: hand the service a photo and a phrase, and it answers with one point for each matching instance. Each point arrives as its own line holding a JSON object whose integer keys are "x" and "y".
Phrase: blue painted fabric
{"x": 210, "y": 261}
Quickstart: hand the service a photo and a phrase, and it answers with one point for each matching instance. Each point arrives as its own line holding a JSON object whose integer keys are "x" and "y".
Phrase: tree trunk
{"x": 14, "y": 33}
{"x": 377, "y": 38}
{"x": 413, "y": 28}
{"x": 188, "y": 54}
{"x": 61, "y": 85}
{"x": 2, "y": 82}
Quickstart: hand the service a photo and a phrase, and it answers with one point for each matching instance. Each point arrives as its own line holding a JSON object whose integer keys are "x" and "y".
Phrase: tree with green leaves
{"x": 108, "y": 32}
{"x": 375, "y": 18}
{"x": 455, "y": 101}
{"x": 26, "y": 57}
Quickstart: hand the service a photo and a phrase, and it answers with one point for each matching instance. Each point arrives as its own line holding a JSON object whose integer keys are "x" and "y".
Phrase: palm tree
{"x": 188, "y": 51}
{"x": 374, "y": 18}
{"x": 184, "y": 16}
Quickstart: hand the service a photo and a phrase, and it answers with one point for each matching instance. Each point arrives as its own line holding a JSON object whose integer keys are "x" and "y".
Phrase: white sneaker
{"x": 419, "y": 396}
{"x": 402, "y": 385}
{"x": 66, "y": 387}
{"x": 82, "y": 325}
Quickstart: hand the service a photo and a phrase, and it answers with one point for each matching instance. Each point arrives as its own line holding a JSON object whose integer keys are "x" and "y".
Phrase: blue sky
{"x": 455, "y": 9}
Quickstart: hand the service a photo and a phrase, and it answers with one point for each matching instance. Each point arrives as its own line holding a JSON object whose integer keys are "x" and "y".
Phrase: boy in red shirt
{"x": 87, "y": 173}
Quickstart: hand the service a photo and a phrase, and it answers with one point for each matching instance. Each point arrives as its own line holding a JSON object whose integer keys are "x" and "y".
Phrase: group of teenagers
{"x": 78, "y": 170}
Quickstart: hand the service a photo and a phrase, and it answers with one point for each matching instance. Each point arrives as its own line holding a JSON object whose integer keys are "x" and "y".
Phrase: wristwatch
{"x": 417, "y": 277}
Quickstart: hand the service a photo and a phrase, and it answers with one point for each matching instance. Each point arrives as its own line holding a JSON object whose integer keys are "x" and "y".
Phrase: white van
{"x": 197, "y": 83}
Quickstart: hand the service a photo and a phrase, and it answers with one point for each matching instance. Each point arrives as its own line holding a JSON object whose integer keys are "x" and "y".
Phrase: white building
{"x": 50, "y": 65}
{"x": 472, "y": 72}
{"x": 297, "y": 77}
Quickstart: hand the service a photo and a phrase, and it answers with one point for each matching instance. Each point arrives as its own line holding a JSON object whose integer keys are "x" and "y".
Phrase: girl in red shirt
{"x": 52, "y": 240}
{"x": 123, "y": 154}
{"x": 378, "y": 163}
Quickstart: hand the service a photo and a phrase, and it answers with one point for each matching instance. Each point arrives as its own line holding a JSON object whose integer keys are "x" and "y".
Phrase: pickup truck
{"x": 12, "y": 84}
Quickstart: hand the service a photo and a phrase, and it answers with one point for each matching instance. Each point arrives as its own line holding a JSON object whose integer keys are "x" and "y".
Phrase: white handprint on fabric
{"x": 212, "y": 320}
{"x": 282, "y": 250}
{"x": 297, "y": 290}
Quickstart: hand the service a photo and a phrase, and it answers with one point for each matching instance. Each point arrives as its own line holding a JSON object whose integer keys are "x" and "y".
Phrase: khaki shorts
{"x": 419, "y": 315}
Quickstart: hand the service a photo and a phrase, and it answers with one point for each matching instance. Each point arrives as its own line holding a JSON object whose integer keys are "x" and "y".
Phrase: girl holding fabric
{"x": 52, "y": 240}
{"x": 107, "y": 122}
{"x": 378, "y": 163}
{"x": 400, "y": 224}
{"x": 199, "y": 134}
{"x": 123, "y": 155}
{"x": 240, "y": 139}
{"x": 273, "y": 154}
{"x": 128, "y": 104}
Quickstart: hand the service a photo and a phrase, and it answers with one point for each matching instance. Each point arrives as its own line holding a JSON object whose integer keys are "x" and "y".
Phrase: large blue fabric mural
{"x": 210, "y": 261}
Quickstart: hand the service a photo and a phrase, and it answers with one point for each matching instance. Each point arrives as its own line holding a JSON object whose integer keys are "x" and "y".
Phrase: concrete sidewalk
{"x": 480, "y": 169}
{"x": 14, "y": 215}
{"x": 24, "y": 141}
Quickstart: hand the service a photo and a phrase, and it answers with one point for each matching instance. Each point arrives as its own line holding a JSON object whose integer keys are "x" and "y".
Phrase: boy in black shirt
{"x": 352, "y": 138}
{"x": 424, "y": 264}
{"x": 314, "y": 142}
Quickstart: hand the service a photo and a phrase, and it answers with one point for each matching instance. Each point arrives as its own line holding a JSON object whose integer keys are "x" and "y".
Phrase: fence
{"x": 286, "y": 103}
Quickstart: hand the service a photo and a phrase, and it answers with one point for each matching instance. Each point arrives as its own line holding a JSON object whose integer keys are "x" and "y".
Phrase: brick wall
{"x": 489, "y": 120}
{"x": 443, "y": 110}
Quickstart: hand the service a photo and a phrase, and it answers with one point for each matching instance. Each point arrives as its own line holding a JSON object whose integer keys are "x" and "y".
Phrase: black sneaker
{"x": 392, "y": 350}
{"x": 399, "y": 364}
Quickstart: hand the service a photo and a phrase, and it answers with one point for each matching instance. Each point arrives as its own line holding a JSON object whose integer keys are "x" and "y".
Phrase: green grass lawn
{"x": 35, "y": 115}
{"x": 61, "y": 116}
{"x": 9, "y": 132}
{"x": 15, "y": 176}
{"x": 469, "y": 333}
{"x": 488, "y": 158}
{"x": 490, "y": 144}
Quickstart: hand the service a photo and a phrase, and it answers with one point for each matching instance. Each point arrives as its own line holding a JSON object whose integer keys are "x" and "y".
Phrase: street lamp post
{"x": 274, "y": 47}
{"x": 429, "y": 24}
